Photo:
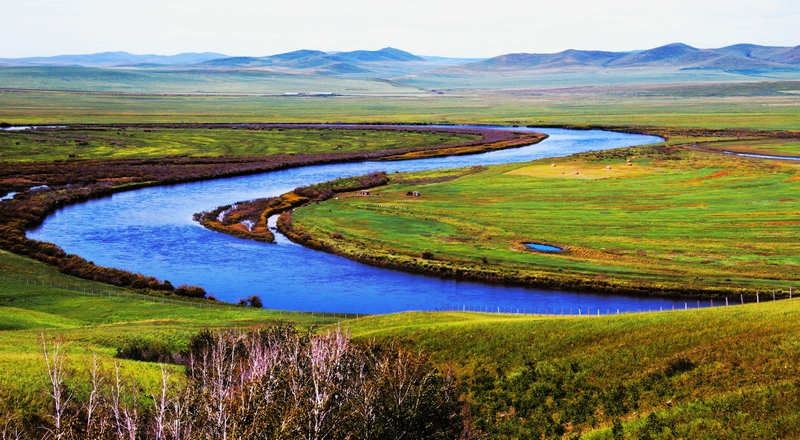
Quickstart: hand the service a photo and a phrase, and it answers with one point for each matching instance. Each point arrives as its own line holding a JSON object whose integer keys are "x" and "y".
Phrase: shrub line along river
{"x": 151, "y": 231}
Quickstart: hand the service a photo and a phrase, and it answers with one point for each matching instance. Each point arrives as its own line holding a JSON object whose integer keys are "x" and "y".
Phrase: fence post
{"x": 741, "y": 296}
{"x": 773, "y": 294}
{"x": 758, "y": 299}
{"x": 726, "y": 301}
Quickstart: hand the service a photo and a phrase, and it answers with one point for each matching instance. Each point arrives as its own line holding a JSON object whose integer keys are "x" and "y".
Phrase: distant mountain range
{"x": 394, "y": 63}
{"x": 115, "y": 59}
{"x": 741, "y": 57}
{"x": 316, "y": 62}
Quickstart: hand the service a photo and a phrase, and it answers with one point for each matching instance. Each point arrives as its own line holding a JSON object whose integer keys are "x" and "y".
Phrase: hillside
{"x": 742, "y": 57}
{"x": 721, "y": 373}
{"x": 384, "y": 63}
{"x": 391, "y": 63}
{"x": 114, "y": 59}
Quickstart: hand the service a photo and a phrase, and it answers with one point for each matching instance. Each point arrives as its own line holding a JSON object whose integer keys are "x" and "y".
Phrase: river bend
{"x": 151, "y": 231}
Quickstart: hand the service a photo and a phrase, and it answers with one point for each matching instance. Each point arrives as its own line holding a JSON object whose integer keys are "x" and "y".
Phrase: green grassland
{"x": 726, "y": 372}
{"x": 144, "y": 142}
{"x": 766, "y": 105}
{"x": 92, "y": 324}
{"x": 674, "y": 219}
{"x": 769, "y": 147}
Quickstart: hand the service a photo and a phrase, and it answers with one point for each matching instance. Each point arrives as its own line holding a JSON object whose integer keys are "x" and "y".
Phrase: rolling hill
{"x": 115, "y": 59}
{"x": 386, "y": 62}
{"x": 741, "y": 57}
{"x": 682, "y": 61}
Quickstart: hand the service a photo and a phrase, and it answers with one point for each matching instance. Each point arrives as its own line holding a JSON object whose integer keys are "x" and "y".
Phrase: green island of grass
{"x": 653, "y": 219}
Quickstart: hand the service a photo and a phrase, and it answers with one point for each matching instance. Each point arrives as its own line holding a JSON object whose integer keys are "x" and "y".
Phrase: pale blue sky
{"x": 463, "y": 28}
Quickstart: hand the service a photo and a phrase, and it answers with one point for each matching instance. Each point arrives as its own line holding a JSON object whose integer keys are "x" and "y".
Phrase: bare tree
{"x": 326, "y": 355}
{"x": 57, "y": 374}
{"x": 272, "y": 383}
{"x": 126, "y": 415}
{"x": 162, "y": 406}
{"x": 10, "y": 429}
{"x": 94, "y": 394}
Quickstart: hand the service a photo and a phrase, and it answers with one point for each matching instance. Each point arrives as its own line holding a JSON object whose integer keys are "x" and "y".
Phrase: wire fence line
{"x": 177, "y": 302}
{"x": 604, "y": 311}
{"x": 548, "y": 311}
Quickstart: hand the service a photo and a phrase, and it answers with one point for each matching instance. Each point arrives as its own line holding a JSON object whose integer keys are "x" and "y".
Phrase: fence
{"x": 548, "y": 311}
{"x": 598, "y": 311}
{"x": 178, "y": 302}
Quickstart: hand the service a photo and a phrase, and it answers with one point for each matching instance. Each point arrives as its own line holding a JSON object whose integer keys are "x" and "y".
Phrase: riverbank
{"x": 600, "y": 209}
{"x": 61, "y": 183}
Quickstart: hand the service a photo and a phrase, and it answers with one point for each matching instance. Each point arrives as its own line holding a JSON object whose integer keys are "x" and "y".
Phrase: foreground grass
{"x": 727, "y": 372}
{"x": 149, "y": 142}
{"x": 91, "y": 324}
{"x": 674, "y": 220}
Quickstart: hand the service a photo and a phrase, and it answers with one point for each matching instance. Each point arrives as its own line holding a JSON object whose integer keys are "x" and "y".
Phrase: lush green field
{"x": 674, "y": 219}
{"x": 710, "y": 373}
{"x": 138, "y": 142}
{"x": 92, "y": 324}
{"x": 727, "y": 372}
{"x": 766, "y": 106}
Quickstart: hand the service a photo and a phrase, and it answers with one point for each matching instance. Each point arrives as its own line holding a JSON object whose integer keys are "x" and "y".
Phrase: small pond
{"x": 543, "y": 247}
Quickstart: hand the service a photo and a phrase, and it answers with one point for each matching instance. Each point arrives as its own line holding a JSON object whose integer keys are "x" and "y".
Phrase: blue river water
{"x": 151, "y": 231}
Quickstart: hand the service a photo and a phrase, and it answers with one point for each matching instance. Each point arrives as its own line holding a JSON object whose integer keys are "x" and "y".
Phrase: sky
{"x": 463, "y": 28}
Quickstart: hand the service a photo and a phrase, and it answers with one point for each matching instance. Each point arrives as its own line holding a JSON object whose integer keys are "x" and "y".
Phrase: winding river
{"x": 151, "y": 231}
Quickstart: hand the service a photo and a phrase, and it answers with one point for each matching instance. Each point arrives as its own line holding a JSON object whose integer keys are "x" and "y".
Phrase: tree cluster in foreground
{"x": 271, "y": 383}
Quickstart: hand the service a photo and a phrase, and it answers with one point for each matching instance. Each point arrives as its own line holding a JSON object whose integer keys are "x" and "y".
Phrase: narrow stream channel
{"x": 151, "y": 231}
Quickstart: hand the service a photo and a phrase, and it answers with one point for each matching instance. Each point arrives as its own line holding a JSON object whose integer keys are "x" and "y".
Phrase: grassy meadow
{"x": 142, "y": 142}
{"x": 673, "y": 220}
{"x": 726, "y": 372}
{"x": 93, "y": 324}
{"x": 765, "y": 105}
{"x": 769, "y": 147}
